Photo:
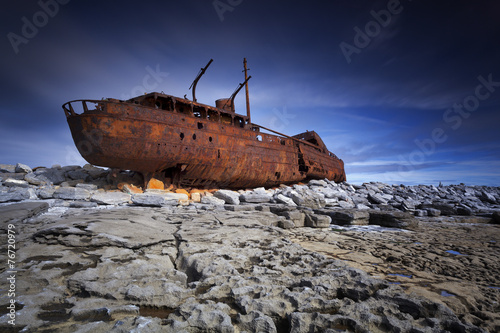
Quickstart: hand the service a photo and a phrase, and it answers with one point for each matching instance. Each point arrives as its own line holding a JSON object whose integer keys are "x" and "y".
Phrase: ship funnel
{"x": 225, "y": 104}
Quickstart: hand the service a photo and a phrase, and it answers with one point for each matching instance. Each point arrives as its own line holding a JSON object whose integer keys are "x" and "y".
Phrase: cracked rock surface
{"x": 175, "y": 269}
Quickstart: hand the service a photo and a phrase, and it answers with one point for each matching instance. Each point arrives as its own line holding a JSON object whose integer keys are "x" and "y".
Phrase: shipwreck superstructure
{"x": 189, "y": 144}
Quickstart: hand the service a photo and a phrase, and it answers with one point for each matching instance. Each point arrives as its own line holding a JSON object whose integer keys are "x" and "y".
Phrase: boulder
{"x": 433, "y": 212}
{"x": 295, "y": 216}
{"x": 317, "y": 221}
{"x": 393, "y": 219}
{"x": 71, "y": 193}
{"x": 212, "y": 200}
{"x": 256, "y": 196}
{"x": 111, "y": 198}
{"x": 15, "y": 183}
{"x": 7, "y": 168}
{"x": 153, "y": 199}
{"x": 488, "y": 197}
{"x": 308, "y": 198}
{"x": 23, "y": 168}
{"x": 229, "y": 197}
{"x": 34, "y": 180}
{"x": 52, "y": 175}
{"x": 280, "y": 198}
{"x": 88, "y": 187}
{"x": 377, "y": 198}
{"x": 495, "y": 219}
{"x": 18, "y": 194}
{"x": 346, "y": 216}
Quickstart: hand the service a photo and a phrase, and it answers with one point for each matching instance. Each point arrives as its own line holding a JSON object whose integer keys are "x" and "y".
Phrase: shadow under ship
{"x": 189, "y": 144}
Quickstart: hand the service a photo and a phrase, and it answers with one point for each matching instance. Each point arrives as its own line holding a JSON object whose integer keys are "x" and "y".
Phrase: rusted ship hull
{"x": 193, "y": 145}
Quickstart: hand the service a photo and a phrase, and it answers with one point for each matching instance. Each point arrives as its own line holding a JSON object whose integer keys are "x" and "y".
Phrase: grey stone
{"x": 308, "y": 198}
{"x": 317, "y": 221}
{"x": 433, "y": 212}
{"x": 347, "y": 216}
{"x": 21, "y": 211}
{"x": 286, "y": 224}
{"x": 393, "y": 219}
{"x": 78, "y": 174}
{"x": 240, "y": 208}
{"x": 316, "y": 182}
{"x": 88, "y": 187}
{"x": 495, "y": 219}
{"x": 71, "y": 193}
{"x": 377, "y": 198}
{"x": 15, "y": 183}
{"x": 45, "y": 192}
{"x": 95, "y": 172}
{"x": 83, "y": 204}
{"x": 255, "y": 197}
{"x": 23, "y": 168}
{"x": 229, "y": 197}
{"x": 212, "y": 200}
{"x": 34, "y": 180}
{"x": 7, "y": 168}
{"x": 296, "y": 216}
{"x": 54, "y": 176}
{"x": 152, "y": 199}
{"x": 284, "y": 199}
{"x": 111, "y": 198}
{"x": 18, "y": 194}
{"x": 488, "y": 197}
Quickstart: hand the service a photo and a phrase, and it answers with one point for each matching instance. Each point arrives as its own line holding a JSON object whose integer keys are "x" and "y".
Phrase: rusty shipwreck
{"x": 189, "y": 144}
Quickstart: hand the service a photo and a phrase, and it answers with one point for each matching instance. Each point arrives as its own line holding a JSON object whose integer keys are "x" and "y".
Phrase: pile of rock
{"x": 317, "y": 204}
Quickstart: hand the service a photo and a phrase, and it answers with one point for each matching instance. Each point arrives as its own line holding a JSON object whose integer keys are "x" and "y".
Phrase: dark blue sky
{"x": 403, "y": 91}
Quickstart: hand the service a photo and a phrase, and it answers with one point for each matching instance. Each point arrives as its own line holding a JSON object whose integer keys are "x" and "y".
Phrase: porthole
{"x": 194, "y": 136}
{"x": 182, "y": 136}
{"x": 210, "y": 138}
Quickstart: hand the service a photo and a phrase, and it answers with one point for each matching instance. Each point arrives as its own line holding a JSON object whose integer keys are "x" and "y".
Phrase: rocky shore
{"x": 95, "y": 252}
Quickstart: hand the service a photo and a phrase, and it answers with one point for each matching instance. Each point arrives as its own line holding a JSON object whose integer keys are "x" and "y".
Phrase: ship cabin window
{"x": 226, "y": 118}
{"x": 238, "y": 121}
{"x": 164, "y": 104}
{"x": 259, "y": 137}
{"x": 184, "y": 109}
{"x": 313, "y": 141}
{"x": 213, "y": 115}
{"x": 199, "y": 112}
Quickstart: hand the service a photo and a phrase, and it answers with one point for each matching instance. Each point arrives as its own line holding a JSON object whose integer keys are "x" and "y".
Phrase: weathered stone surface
{"x": 153, "y": 199}
{"x": 15, "y": 182}
{"x": 308, "y": 198}
{"x": 212, "y": 200}
{"x": 229, "y": 197}
{"x": 7, "y": 168}
{"x": 496, "y": 217}
{"x": 71, "y": 193}
{"x": 280, "y": 198}
{"x": 45, "y": 192}
{"x": 22, "y": 168}
{"x": 317, "y": 221}
{"x": 346, "y": 216}
{"x": 393, "y": 219}
{"x": 256, "y": 196}
{"x": 34, "y": 180}
{"x": 18, "y": 194}
{"x": 152, "y": 269}
{"x": 21, "y": 211}
{"x": 52, "y": 175}
{"x": 88, "y": 187}
{"x": 111, "y": 198}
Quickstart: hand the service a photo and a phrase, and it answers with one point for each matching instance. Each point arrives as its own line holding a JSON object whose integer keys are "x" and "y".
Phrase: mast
{"x": 246, "y": 89}
{"x": 195, "y": 82}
